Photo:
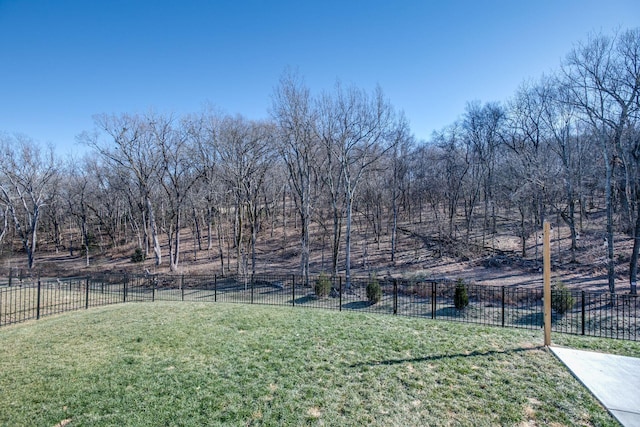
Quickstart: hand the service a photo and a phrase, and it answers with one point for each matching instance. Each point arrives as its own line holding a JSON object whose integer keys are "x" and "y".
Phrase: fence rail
{"x": 575, "y": 312}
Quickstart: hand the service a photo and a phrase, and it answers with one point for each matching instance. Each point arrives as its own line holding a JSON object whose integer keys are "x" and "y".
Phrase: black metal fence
{"x": 574, "y": 312}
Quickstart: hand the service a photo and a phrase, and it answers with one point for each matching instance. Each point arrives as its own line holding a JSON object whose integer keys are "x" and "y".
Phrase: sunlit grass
{"x": 223, "y": 364}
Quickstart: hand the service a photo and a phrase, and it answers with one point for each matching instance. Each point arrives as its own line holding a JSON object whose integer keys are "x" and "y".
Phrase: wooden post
{"x": 546, "y": 256}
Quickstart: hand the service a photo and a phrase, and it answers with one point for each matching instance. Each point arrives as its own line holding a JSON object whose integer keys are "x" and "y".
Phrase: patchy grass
{"x": 223, "y": 364}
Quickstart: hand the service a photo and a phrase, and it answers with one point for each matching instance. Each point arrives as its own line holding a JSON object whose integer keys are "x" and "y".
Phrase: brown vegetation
{"x": 420, "y": 254}
{"x": 337, "y": 183}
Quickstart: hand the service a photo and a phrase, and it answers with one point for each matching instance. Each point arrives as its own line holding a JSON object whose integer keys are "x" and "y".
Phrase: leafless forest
{"x": 335, "y": 182}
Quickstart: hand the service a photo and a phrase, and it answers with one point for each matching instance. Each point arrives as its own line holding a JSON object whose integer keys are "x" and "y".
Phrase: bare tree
{"x": 402, "y": 143}
{"x": 603, "y": 77}
{"x": 453, "y": 164}
{"x": 132, "y": 148}
{"x": 108, "y": 201}
{"x": 205, "y": 133}
{"x": 562, "y": 128}
{"x": 178, "y": 174}
{"x": 355, "y": 129}
{"x": 79, "y": 187}
{"x": 294, "y": 115}
{"x": 331, "y": 175}
{"x": 26, "y": 173}
{"x": 245, "y": 154}
{"x": 483, "y": 124}
{"x": 527, "y": 175}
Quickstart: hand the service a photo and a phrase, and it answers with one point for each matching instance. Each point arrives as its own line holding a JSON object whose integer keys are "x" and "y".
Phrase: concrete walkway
{"x": 613, "y": 380}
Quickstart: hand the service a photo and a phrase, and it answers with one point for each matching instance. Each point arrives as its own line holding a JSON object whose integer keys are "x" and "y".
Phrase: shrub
{"x": 460, "y": 297}
{"x": 91, "y": 240}
{"x": 138, "y": 255}
{"x": 374, "y": 290}
{"x": 561, "y": 298}
{"x": 322, "y": 287}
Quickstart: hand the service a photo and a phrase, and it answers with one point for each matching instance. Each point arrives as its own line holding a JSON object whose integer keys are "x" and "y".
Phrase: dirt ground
{"x": 419, "y": 254}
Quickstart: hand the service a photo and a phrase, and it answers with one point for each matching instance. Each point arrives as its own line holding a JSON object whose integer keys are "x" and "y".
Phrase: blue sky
{"x": 63, "y": 61}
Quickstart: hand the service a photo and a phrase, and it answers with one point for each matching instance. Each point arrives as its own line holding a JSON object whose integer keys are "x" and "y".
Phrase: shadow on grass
{"x": 444, "y": 356}
{"x": 305, "y": 299}
{"x": 531, "y": 319}
{"x": 356, "y": 305}
{"x": 271, "y": 291}
{"x": 449, "y": 312}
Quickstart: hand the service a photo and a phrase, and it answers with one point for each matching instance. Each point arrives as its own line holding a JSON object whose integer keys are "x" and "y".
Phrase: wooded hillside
{"x": 336, "y": 181}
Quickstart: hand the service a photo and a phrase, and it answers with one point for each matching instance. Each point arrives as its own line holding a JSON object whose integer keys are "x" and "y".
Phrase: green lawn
{"x": 224, "y": 364}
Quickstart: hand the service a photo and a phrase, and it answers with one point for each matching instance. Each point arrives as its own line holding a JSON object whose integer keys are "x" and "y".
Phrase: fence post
{"x": 215, "y": 288}
{"x": 583, "y": 313}
{"x": 252, "y": 282}
{"x": 124, "y": 288}
{"x": 10, "y": 275}
{"x": 38, "y": 303}
{"x": 340, "y": 285}
{"x": 153, "y": 290}
{"x": 293, "y": 290}
{"x": 434, "y": 289}
{"x": 86, "y": 294}
{"x": 616, "y": 304}
{"x": 546, "y": 257}
{"x": 182, "y": 287}
{"x": 395, "y": 296}
{"x": 503, "y": 306}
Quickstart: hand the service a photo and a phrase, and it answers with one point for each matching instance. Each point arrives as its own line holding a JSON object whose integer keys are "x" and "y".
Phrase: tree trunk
{"x": 34, "y": 232}
{"x": 196, "y": 224}
{"x": 337, "y": 234}
{"x": 175, "y": 258}
{"x": 633, "y": 267}
{"x": 523, "y": 232}
{"x": 609, "y": 202}
{"x": 304, "y": 256}
{"x": 220, "y": 245}
{"x": 85, "y": 235}
{"x": 347, "y": 249}
{"x": 238, "y": 238}
{"x": 154, "y": 233}
{"x": 570, "y": 220}
{"x": 29, "y": 257}
{"x": 394, "y": 228}
{"x": 145, "y": 233}
{"x": 253, "y": 248}
{"x": 209, "y": 228}
{"x": 169, "y": 232}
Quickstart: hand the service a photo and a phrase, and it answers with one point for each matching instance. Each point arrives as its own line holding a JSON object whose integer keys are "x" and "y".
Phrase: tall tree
{"x": 355, "y": 128}
{"x": 26, "y": 172}
{"x": 559, "y": 120}
{"x": 603, "y": 77}
{"x": 295, "y": 117}
{"x": 526, "y": 173}
{"x": 178, "y": 175}
{"x": 483, "y": 124}
{"x": 205, "y": 133}
{"x": 245, "y": 154}
{"x": 453, "y": 164}
{"x": 133, "y": 148}
{"x": 79, "y": 187}
{"x": 402, "y": 143}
